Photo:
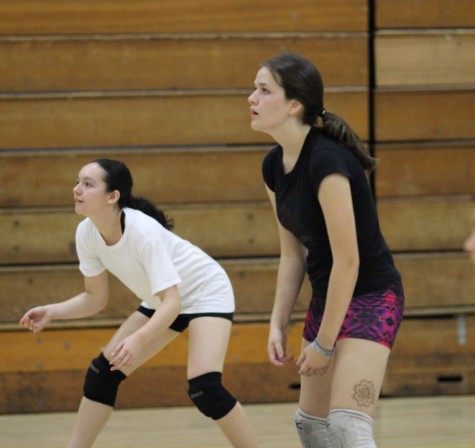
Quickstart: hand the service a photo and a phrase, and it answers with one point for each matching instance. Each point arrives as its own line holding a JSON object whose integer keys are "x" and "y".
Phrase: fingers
{"x": 282, "y": 361}
{"x": 120, "y": 363}
{"x": 279, "y": 351}
{"x": 309, "y": 371}
{"x": 120, "y": 358}
{"x": 30, "y": 324}
{"x": 26, "y": 321}
{"x": 277, "y": 355}
{"x": 307, "y": 367}
{"x": 35, "y": 319}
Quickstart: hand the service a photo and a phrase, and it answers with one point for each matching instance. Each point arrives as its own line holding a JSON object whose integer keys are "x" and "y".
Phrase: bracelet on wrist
{"x": 323, "y": 351}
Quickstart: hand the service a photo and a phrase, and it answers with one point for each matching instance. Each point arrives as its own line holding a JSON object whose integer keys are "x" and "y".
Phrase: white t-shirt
{"x": 149, "y": 259}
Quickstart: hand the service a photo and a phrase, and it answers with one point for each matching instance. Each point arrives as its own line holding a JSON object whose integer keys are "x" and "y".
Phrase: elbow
{"x": 174, "y": 301}
{"x": 349, "y": 263}
{"x": 353, "y": 263}
{"x": 102, "y": 302}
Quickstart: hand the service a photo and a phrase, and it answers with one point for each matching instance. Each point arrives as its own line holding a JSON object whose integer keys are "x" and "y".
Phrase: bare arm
{"x": 335, "y": 198}
{"x": 129, "y": 349}
{"x": 88, "y": 303}
{"x": 289, "y": 281}
{"x": 165, "y": 315}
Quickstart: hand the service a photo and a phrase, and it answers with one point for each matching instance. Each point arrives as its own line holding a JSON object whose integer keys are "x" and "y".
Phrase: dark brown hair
{"x": 118, "y": 177}
{"x": 301, "y": 81}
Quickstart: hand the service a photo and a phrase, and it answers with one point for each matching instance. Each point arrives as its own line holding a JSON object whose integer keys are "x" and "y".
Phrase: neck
{"x": 292, "y": 141}
{"x": 292, "y": 137}
{"x": 108, "y": 225}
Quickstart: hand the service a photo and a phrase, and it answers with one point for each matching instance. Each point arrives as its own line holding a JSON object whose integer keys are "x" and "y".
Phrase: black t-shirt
{"x": 299, "y": 211}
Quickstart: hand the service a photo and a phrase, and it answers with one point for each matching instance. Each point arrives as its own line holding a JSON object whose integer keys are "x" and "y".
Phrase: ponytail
{"x": 302, "y": 81}
{"x": 118, "y": 177}
{"x": 145, "y": 206}
{"x": 339, "y": 129}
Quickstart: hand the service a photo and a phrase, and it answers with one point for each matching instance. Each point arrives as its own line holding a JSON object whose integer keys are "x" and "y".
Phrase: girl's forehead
{"x": 92, "y": 170}
{"x": 264, "y": 75}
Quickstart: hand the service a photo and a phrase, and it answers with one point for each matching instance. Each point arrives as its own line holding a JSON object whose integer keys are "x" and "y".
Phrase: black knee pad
{"x": 209, "y": 395}
{"x": 101, "y": 383}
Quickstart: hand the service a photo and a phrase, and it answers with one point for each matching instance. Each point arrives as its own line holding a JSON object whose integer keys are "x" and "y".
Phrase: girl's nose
{"x": 251, "y": 98}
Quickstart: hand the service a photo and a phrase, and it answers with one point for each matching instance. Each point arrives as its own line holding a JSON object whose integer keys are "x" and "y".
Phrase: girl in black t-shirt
{"x": 316, "y": 178}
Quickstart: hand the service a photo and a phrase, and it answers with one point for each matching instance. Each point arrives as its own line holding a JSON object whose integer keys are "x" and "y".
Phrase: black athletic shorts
{"x": 182, "y": 321}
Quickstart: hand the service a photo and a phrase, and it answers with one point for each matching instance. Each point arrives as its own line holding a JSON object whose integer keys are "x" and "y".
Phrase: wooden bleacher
{"x": 163, "y": 87}
{"x": 425, "y": 140}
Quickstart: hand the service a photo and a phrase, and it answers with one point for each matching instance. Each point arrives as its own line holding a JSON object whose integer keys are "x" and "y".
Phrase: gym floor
{"x": 419, "y": 422}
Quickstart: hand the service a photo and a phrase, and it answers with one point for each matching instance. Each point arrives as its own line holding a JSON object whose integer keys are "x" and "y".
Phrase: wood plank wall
{"x": 163, "y": 87}
{"x": 424, "y": 101}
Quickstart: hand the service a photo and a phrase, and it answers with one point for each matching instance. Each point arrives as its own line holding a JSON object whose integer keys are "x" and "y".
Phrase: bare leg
{"x": 315, "y": 391}
{"x": 314, "y": 406}
{"x": 208, "y": 342}
{"x": 91, "y": 419}
{"x": 92, "y": 416}
{"x": 237, "y": 428}
{"x": 358, "y": 375}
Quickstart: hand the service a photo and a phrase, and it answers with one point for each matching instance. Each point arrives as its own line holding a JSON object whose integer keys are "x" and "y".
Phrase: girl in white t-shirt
{"x": 179, "y": 287}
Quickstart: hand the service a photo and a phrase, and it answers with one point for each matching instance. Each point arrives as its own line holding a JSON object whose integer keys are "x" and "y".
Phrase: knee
{"x": 349, "y": 428}
{"x": 312, "y": 430}
{"x": 101, "y": 383}
{"x": 210, "y": 396}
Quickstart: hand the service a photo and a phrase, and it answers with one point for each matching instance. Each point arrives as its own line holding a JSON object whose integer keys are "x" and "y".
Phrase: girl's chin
{"x": 255, "y": 126}
{"x": 78, "y": 209}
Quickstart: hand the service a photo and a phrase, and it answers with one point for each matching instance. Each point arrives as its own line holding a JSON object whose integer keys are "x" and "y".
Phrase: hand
{"x": 277, "y": 348}
{"x": 311, "y": 362}
{"x": 36, "y": 319}
{"x": 126, "y": 352}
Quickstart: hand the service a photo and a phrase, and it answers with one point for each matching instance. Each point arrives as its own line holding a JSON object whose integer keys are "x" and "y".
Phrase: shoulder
{"x": 329, "y": 156}
{"x": 141, "y": 227}
{"x": 139, "y": 220}
{"x": 87, "y": 238}
{"x": 269, "y": 166}
{"x": 327, "y": 150}
{"x": 84, "y": 228}
{"x": 271, "y": 157}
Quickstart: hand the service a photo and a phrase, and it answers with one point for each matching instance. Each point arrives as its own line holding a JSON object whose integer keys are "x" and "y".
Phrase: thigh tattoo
{"x": 364, "y": 393}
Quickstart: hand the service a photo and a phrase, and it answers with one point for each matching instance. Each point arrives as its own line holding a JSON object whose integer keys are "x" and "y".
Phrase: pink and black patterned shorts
{"x": 375, "y": 317}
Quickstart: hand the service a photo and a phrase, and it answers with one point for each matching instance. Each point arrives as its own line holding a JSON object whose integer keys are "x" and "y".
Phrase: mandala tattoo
{"x": 364, "y": 394}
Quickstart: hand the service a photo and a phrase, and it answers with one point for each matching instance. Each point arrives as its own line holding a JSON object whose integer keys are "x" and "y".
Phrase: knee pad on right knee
{"x": 348, "y": 428}
{"x": 210, "y": 396}
{"x": 312, "y": 430}
{"x": 101, "y": 383}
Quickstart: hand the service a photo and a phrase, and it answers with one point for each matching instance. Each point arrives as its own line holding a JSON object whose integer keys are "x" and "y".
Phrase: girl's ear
{"x": 114, "y": 197}
{"x": 295, "y": 107}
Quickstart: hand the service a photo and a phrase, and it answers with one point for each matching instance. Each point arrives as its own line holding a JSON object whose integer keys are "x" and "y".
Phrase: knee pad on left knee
{"x": 209, "y": 395}
{"x": 348, "y": 428}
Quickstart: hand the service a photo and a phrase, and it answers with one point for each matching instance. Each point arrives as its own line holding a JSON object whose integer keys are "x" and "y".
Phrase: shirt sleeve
{"x": 89, "y": 263}
{"x": 327, "y": 162}
{"x": 268, "y": 168}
